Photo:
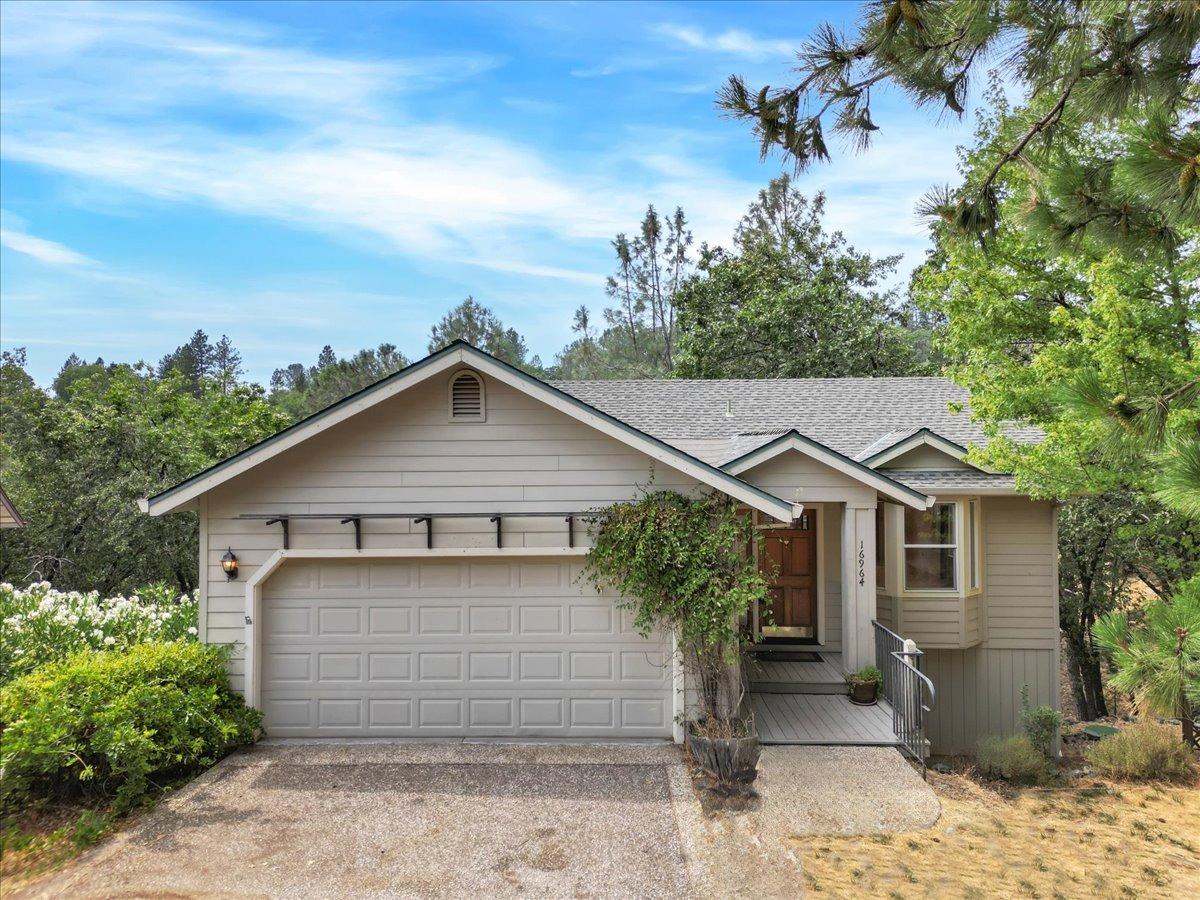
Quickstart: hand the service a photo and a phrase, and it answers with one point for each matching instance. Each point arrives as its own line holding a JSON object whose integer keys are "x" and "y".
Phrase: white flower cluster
{"x": 39, "y": 624}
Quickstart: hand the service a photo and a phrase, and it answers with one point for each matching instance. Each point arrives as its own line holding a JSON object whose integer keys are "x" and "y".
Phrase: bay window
{"x": 931, "y": 548}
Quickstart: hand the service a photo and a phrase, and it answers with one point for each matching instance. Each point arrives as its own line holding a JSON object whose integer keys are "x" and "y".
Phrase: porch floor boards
{"x": 775, "y": 676}
{"x": 785, "y": 718}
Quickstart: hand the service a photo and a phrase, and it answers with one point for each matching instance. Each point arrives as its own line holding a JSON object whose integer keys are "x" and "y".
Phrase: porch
{"x": 799, "y": 696}
{"x": 827, "y": 719}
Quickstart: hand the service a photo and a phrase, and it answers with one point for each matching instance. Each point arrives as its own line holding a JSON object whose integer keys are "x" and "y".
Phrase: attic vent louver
{"x": 466, "y": 397}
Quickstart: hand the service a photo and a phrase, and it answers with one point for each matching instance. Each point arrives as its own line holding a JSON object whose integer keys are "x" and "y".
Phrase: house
{"x": 9, "y": 517}
{"x": 406, "y": 562}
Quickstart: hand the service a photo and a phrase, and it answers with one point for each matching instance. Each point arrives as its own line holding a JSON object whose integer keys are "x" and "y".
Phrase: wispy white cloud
{"x": 731, "y": 42}
{"x": 51, "y": 253}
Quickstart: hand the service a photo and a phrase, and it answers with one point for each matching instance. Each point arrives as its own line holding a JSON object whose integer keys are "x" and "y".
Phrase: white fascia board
{"x": 922, "y": 438}
{"x": 815, "y": 450}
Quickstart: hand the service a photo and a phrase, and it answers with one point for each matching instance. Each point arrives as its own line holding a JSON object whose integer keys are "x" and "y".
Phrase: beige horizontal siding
{"x": 924, "y": 457}
{"x": 979, "y": 689}
{"x": 403, "y": 456}
{"x": 794, "y": 476}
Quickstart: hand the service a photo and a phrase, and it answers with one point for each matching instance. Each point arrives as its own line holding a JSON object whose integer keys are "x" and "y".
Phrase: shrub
{"x": 39, "y": 624}
{"x": 1040, "y": 724}
{"x": 1142, "y": 752}
{"x": 1012, "y": 758}
{"x": 682, "y": 564}
{"x": 112, "y": 725}
{"x": 866, "y": 675}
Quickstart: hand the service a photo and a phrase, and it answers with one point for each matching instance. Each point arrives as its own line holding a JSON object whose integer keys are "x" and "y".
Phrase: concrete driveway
{"x": 368, "y": 819}
{"x": 408, "y": 820}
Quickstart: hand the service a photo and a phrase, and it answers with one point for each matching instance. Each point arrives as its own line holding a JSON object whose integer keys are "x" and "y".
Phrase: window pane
{"x": 929, "y": 526}
{"x": 929, "y": 568}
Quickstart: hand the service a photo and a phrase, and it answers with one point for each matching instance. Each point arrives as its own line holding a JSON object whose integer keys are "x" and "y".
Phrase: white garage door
{"x": 448, "y": 648}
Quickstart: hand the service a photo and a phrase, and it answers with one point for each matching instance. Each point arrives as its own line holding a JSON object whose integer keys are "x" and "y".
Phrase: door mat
{"x": 787, "y": 656}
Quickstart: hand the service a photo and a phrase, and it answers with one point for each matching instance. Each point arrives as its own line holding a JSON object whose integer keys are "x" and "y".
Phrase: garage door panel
{"x": 480, "y": 647}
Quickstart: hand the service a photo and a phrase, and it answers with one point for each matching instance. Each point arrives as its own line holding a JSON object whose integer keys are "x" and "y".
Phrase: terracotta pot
{"x": 728, "y": 760}
{"x": 864, "y": 693}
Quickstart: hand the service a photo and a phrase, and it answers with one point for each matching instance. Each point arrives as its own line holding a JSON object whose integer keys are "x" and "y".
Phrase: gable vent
{"x": 466, "y": 397}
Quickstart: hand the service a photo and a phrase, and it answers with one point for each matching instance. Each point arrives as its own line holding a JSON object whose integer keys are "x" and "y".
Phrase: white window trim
{"x": 961, "y": 549}
{"x": 976, "y": 552}
{"x": 469, "y": 373}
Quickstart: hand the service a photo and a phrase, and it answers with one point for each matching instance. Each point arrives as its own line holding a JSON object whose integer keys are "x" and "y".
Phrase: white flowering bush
{"x": 39, "y": 624}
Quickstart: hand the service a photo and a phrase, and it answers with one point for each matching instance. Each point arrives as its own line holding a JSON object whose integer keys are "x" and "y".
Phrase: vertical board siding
{"x": 979, "y": 689}
{"x": 405, "y": 456}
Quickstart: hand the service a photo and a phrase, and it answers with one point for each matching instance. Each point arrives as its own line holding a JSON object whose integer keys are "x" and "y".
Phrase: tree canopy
{"x": 791, "y": 300}
{"x": 474, "y": 323}
{"x": 76, "y": 465}
{"x": 301, "y": 390}
{"x": 1092, "y": 340}
{"x": 640, "y": 330}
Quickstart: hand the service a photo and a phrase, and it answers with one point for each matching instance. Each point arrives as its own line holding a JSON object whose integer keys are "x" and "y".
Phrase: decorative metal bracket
{"x": 357, "y": 530}
{"x": 286, "y": 537}
{"x": 428, "y": 520}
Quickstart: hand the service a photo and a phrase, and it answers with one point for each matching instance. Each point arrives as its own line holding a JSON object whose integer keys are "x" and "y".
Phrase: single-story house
{"x": 406, "y": 562}
{"x": 9, "y": 517}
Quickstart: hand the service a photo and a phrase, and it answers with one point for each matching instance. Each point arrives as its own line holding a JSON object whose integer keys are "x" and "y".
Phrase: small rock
{"x": 942, "y": 768}
{"x": 950, "y": 830}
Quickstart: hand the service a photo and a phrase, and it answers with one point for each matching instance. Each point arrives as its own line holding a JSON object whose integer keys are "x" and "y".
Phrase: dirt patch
{"x": 1091, "y": 839}
{"x": 43, "y": 838}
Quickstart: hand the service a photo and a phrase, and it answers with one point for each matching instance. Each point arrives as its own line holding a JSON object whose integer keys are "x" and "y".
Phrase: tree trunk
{"x": 718, "y": 681}
{"x": 1075, "y": 675}
{"x": 1187, "y": 720}
{"x": 1087, "y": 685}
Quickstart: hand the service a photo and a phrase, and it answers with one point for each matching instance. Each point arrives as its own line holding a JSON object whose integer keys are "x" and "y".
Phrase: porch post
{"x": 858, "y": 584}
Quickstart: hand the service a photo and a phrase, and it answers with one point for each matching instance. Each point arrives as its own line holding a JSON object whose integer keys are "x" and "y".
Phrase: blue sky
{"x": 296, "y": 174}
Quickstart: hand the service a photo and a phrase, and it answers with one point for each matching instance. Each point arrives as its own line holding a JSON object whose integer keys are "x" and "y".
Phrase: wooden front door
{"x": 789, "y": 557}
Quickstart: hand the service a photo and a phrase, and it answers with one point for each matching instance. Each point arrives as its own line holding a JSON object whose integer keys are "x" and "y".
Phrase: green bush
{"x": 1142, "y": 752}
{"x": 1014, "y": 759}
{"x": 115, "y": 725}
{"x": 1040, "y": 724}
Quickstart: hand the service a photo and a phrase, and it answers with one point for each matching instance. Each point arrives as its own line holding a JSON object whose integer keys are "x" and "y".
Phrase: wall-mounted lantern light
{"x": 229, "y": 564}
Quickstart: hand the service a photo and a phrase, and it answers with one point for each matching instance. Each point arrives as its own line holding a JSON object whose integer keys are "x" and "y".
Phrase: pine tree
{"x": 226, "y": 365}
{"x": 474, "y": 323}
{"x": 1081, "y": 64}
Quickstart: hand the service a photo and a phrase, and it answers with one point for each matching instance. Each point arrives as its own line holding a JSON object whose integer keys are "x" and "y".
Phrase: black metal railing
{"x": 908, "y": 690}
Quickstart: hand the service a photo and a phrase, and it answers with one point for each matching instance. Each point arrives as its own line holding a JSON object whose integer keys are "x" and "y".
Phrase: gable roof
{"x": 794, "y": 440}
{"x": 880, "y": 453}
{"x": 711, "y": 418}
{"x": 456, "y": 354}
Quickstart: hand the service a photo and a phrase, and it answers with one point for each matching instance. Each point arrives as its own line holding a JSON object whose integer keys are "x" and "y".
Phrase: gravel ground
{"x": 405, "y": 820}
{"x": 377, "y": 819}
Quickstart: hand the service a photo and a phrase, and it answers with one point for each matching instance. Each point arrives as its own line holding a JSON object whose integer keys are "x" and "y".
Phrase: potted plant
{"x": 864, "y": 685}
{"x": 681, "y": 564}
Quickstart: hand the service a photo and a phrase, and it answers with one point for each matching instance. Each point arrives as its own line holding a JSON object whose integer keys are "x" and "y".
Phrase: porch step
{"x": 775, "y": 676}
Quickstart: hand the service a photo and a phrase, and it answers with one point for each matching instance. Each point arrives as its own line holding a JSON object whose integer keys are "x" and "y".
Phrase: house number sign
{"x": 862, "y": 564}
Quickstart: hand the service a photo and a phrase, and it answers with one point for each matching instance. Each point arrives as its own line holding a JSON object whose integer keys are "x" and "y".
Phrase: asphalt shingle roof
{"x": 720, "y": 419}
{"x": 929, "y": 481}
